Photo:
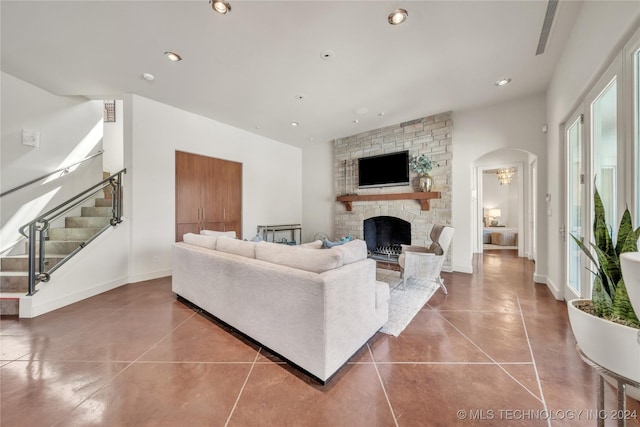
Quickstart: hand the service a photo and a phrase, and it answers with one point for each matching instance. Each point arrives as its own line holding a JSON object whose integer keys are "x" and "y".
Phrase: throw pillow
{"x": 329, "y": 244}
{"x": 353, "y": 251}
{"x": 231, "y": 234}
{"x": 237, "y": 247}
{"x": 312, "y": 260}
{"x": 317, "y": 244}
{"x": 200, "y": 240}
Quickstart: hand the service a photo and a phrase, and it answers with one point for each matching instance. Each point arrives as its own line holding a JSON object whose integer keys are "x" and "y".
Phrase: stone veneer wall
{"x": 429, "y": 135}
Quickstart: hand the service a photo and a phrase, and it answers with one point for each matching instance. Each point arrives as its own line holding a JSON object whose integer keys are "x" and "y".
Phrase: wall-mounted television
{"x": 385, "y": 170}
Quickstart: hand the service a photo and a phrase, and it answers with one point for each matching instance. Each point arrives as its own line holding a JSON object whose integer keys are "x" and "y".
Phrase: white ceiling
{"x": 247, "y": 67}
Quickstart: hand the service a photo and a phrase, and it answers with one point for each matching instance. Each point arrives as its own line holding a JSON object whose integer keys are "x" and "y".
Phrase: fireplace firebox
{"x": 384, "y": 235}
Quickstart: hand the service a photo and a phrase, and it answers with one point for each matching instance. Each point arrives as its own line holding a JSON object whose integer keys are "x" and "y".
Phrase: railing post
{"x": 32, "y": 259}
{"x": 115, "y": 197}
{"x": 43, "y": 239}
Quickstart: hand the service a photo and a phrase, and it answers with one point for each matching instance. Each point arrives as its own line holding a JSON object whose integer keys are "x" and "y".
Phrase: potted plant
{"x": 606, "y": 327}
{"x": 422, "y": 165}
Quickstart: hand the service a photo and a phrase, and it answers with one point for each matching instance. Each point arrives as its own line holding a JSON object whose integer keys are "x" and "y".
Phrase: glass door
{"x": 576, "y": 203}
{"x": 604, "y": 137}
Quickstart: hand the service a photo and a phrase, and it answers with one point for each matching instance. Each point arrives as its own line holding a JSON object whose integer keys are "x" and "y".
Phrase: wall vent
{"x": 552, "y": 6}
{"x": 109, "y": 115}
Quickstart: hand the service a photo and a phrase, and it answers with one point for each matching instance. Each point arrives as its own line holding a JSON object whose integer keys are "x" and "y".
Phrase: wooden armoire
{"x": 208, "y": 194}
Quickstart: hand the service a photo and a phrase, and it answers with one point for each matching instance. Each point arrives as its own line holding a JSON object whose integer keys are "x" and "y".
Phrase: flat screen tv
{"x": 385, "y": 170}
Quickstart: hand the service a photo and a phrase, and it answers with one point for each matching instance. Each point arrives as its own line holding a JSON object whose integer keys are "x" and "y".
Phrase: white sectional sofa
{"x": 313, "y": 307}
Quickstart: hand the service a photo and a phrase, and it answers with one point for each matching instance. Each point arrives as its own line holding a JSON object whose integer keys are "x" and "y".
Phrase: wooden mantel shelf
{"x": 422, "y": 197}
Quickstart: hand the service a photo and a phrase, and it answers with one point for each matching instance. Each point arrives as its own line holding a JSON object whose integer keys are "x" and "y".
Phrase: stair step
{"x": 57, "y": 247}
{"x": 86, "y": 221}
{"x": 21, "y": 262}
{"x": 104, "y": 203}
{"x": 77, "y": 234}
{"x": 14, "y": 281}
{"x": 10, "y": 303}
{"x": 96, "y": 211}
{"x": 61, "y": 247}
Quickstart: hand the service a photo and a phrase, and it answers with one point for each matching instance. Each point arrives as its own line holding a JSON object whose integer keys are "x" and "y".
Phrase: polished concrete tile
{"x": 164, "y": 394}
{"x": 274, "y": 397}
{"x": 38, "y": 393}
{"x": 198, "y": 339}
{"x": 135, "y": 356}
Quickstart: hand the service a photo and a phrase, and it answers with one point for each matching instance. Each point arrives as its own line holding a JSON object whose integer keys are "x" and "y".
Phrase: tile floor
{"x": 497, "y": 350}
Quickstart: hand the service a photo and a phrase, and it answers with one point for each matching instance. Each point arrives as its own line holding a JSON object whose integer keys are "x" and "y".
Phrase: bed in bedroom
{"x": 501, "y": 236}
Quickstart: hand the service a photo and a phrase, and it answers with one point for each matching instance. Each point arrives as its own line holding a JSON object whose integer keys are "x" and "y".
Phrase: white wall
{"x": 503, "y": 197}
{"x": 64, "y": 124}
{"x": 515, "y": 124}
{"x": 271, "y": 174}
{"x": 113, "y": 145}
{"x": 318, "y": 197}
{"x": 598, "y": 35}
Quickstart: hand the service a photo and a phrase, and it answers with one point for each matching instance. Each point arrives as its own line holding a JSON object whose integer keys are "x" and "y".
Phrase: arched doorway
{"x": 504, "y": 212}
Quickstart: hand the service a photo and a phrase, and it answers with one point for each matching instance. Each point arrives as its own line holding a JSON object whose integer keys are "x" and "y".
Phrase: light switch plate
{"x": 30, "y": 138}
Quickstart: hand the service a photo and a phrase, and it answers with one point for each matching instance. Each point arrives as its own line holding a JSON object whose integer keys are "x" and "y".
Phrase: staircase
{"x": 60, "y": 242}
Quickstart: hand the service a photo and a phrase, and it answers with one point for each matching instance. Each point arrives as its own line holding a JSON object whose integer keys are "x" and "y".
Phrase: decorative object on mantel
{"x": 505, "y": 175}
{"x": 422, "y": 165}
{"x": 606, "y": 327}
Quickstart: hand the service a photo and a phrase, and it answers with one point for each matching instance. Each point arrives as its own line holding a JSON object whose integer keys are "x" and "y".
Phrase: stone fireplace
{"x": 429, "y": 135}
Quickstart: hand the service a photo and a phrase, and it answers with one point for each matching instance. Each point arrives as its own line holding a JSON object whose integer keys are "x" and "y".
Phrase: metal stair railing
{"x": 39, "y": 227}
{"x": 64, "y": 170}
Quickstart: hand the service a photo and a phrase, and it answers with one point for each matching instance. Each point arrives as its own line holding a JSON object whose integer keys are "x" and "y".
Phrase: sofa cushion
{"x": 237, "y": 247}
{"x": 201, "y": 240}
{"x": 352, "y": 251}
{"x": 317, "y": 244}
{"x": 313, "y": 260}
{"x": 231, "y": 234}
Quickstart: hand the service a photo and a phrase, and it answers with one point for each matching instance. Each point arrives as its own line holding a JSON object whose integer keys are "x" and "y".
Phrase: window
{"x": 604, "y": 136}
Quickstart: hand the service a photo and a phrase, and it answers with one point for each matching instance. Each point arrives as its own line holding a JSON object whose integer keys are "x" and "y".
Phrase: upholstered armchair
{"x": 426, "y": 262}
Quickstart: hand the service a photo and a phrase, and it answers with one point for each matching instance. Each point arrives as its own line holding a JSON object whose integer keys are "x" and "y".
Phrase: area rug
{"x": 404, "y": 304}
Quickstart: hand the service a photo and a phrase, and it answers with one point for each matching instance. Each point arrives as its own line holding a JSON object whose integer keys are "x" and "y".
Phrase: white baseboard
{"x": 463, "y": 269}
{"x": 150, "y": 276}
{"x": 28, "y": 310}
{"x": 555, "y": 290}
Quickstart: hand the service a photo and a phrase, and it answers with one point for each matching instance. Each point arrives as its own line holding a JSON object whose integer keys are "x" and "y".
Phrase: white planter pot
{"x": 610, "y": 345}
{"x": 630, "y": 264}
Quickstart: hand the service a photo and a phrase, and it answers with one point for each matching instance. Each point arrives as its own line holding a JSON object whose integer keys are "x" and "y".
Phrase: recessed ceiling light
{"x": 381, "y": 113}
{"x": 148, "y": 77}
{"x": 503, "y": 82}
{"x": 295, "y": 124}
{"x": 173, "y": 57}
{"x": 356, "y": 121}
{"x": 398, "y": 16}
{"x": 257, "y": 126}
{"x": 299, "y": 97}
{"x": 327, "y": 54}
{"x": 220, "y": 6}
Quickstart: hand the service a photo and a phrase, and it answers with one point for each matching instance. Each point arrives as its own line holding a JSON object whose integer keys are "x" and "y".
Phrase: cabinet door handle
{"x": 224, "y": 213}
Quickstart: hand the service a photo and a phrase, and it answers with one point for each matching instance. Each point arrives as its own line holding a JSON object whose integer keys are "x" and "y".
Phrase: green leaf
{"x": 609, "y": 268}
{"x": 600, "y": 229}
{"x": 602, "y": 303}
{"x": 626, "y": 227}
{"x": 622, "y": 308}
{"x": 585, "y": 250}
